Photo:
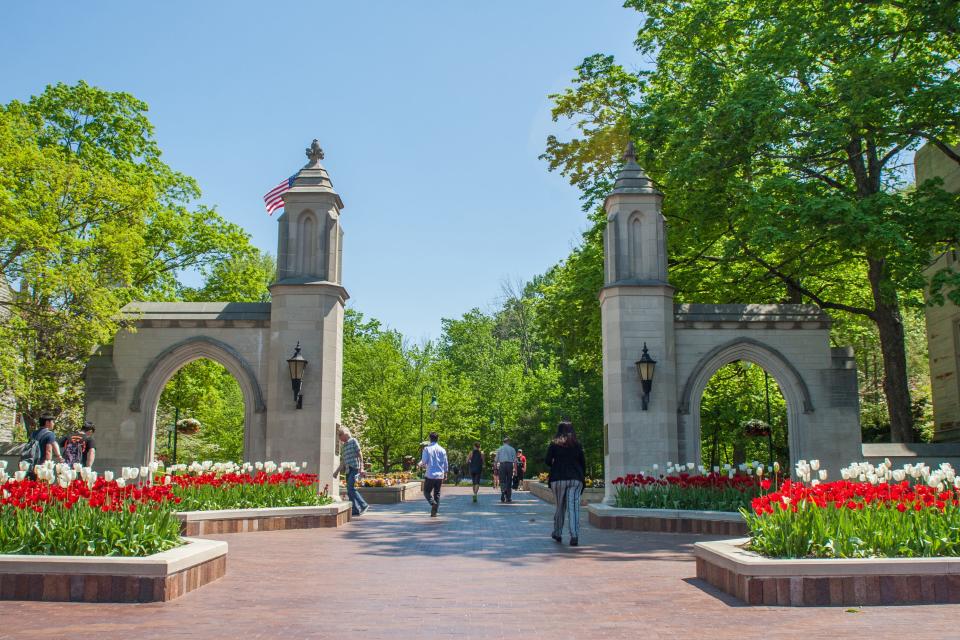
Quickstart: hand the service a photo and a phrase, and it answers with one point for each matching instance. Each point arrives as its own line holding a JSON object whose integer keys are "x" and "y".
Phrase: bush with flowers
{"x": 75, "y": 511}
{"x": 873, "y": 511}
{"x": 383, "y": 479}
{"x": 692, "y": 487}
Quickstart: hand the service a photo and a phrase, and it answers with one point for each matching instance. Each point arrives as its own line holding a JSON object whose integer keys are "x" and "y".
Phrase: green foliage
{"x": 90, "y": 219}
{"x": 779, "y": 134}
{"x": 208, "y": 497}
{"x": 735, "y": 396}
{"x": 205, "y": 391}
{"x": 83, "y": 530}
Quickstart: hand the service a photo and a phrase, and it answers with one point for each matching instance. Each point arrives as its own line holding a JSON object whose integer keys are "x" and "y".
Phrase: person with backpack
{"x": 567, "y": 473}
{"x": 79, "y": 447}
{"x": 42, "y": 445}
{"x": 475, "y": 460}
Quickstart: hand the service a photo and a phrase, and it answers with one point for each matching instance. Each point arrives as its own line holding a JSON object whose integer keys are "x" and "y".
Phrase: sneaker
{"x": 574, "y": 542}
{"x": 364, "y": 510}
{"x": 474, "y": 497}
{"x": 433, "y": 510}
{"x": 556, "y": 537}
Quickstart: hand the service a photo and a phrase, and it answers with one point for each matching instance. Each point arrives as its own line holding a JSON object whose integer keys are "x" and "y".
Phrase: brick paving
{"x": 477, "y": 571}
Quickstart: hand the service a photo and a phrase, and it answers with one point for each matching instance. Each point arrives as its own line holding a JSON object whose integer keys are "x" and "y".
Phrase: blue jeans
{"x": 359, "y": 504}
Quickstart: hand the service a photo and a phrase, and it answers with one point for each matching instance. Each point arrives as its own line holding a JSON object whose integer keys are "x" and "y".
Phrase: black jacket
{"x": 566, "y": 463}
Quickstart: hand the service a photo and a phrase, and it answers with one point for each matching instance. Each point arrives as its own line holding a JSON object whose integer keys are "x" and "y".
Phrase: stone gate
{"x": 252, "y": 341}
{"x": 690, "y": 342}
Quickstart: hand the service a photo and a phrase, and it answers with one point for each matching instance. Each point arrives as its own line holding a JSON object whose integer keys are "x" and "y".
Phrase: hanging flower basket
{"x": 756, "y": 429}
{"x": 188, "y": 427}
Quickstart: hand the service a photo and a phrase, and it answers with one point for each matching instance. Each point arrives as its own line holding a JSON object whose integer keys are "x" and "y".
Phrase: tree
{"x": 90, "y": 219}
{"x": 779, "y": 134}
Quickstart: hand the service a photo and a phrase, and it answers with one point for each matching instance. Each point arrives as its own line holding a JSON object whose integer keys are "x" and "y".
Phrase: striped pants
{"x": 567, "y": 495}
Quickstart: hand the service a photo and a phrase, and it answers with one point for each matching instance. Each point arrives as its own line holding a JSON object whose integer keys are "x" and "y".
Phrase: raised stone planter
{"x": 195, "y": 523}
{"x": 836, "y": 582}
{"x": 160, "y": 577}
{"x": 388, "y": 495}
{"x": 720, "y": 523}
{"x": 542, "y": 491}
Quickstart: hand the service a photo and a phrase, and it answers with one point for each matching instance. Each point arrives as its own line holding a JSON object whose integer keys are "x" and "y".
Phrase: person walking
{"x": 494, "y": 471}
{"x": 475, "y": 460}
{"x": 567, "y": 472}
{"x": 434, "y": 461}
{"x": 506, "y": 458}
{"x": 351, "y": 461}
{"x": 521, "y": 469}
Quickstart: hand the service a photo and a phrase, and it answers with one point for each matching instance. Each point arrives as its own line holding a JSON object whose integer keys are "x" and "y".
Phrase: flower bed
{"x": 682, "y": 490}
{"x": 873, "y": 512}
{"x": 73, "y": 511}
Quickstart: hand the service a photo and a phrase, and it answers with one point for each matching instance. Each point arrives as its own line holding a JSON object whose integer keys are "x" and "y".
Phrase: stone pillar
{"x": 307, "y": 307}
{"x": 636, "y": 307}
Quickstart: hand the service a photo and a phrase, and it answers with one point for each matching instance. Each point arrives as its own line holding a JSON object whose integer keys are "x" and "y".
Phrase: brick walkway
{"x": 478, "y": 571}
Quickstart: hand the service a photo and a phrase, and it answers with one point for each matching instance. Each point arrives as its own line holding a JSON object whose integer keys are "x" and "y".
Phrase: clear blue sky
{"x": 431, "y": 114}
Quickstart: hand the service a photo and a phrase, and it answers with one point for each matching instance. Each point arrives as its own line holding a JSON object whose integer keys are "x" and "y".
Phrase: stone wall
{"x": 7, "y": 414}
{"x": 943, "y": 322}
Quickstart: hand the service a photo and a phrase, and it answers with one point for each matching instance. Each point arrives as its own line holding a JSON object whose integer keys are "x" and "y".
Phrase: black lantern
{"x": 297, "y": 364}
{"x": 645, "y": 366}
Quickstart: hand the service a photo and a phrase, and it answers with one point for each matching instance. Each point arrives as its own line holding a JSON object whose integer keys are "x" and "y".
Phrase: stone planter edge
{"x": 730, "y": 555}
{"x": 605, "y": 511}
{"x": 267, "y": 512}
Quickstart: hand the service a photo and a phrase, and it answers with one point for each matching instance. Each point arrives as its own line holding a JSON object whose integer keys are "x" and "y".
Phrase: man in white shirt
{"x": 506, "y": 457}
{"x": 434, "y": 460}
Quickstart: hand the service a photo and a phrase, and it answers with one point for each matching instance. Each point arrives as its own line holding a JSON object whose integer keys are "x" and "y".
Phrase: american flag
{"x": 274, "y": 198}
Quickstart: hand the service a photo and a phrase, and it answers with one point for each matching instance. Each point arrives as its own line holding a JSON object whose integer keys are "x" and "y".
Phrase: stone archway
{"x": 791, "y": 383}
{"x": 146, "y": 395}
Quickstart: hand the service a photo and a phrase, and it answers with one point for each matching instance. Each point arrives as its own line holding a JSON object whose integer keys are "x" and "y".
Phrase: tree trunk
{"x": 893, "y": 348}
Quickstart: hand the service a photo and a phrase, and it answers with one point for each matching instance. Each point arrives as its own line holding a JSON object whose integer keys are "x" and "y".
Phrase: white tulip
{"x": 690, "y": 466}
{"x": 121, "y": 482}
{"x": 24, "y": 466}
{"x": 3, "y": 465}
{"x": 716, "y": 469}
{"x": 145, "y": 472}
{"x": 63, "y": 482}
{"x": 815, "y": 465}
{"x": 822, "y": 474}
{"x": 19, "y": 476}
{"x": 167, "y": 479}
{"x": 108, "y": 476}
{"x": 899, "y": 475}
{"x": 776, "y": 466}
{"x": 760, "y": 471}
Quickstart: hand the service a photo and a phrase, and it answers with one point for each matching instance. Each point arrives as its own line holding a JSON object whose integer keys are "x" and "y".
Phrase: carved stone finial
{"x": 314, "y": 153}
{"x": 630, "y": 154}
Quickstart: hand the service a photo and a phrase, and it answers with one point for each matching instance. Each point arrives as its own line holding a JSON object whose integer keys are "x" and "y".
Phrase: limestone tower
{"x": 636, "y": 307}
{"x": 307, "y": 308}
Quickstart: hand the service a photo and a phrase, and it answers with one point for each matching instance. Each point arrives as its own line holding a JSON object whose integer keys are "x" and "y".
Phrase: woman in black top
{"x": 567, "y": 470}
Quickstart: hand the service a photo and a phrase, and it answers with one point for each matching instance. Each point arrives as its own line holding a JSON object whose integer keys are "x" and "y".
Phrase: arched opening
{"x": 791, "y": 386}
{"x": 160, "y": 371}
{"x": 743, "y": 417}
{"x": 200, "y": 415}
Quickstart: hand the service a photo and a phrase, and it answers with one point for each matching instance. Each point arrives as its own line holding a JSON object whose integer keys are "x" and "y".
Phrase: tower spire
{"x": 632, "y": 178}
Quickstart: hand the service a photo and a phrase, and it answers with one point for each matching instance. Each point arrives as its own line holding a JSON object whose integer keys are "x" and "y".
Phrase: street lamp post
{"x": 433, "y": 403}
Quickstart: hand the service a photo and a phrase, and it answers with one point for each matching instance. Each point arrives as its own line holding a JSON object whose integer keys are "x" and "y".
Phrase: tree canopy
{"x": 779, "y": 134}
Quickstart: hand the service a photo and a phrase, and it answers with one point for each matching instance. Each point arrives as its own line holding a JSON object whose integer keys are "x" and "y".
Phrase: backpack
{"x": 30, "y": 451}
{"x": 74, "y": 449}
